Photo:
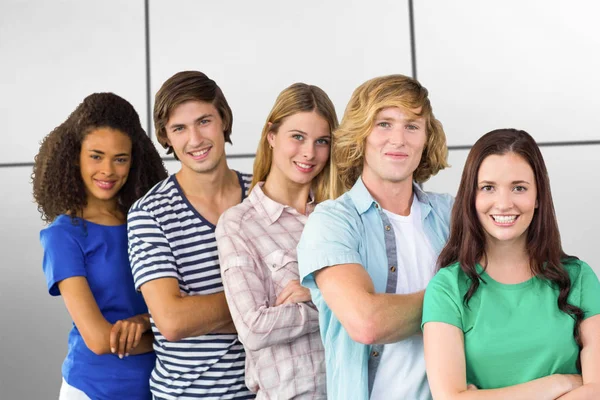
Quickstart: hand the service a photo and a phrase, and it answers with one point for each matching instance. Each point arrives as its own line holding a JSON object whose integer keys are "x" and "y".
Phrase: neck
{"x": 396, "y": 197}
{"x": 507, "y": 259}
{"x": 286, "y": 192}
{"x": 96, "y": 207}
{"x": 208, "y": 185}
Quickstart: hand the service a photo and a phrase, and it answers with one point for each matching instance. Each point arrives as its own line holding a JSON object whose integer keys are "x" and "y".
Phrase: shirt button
{"x": 376, "y": 205}
{"x": 393, "y": 268}
{"x": 375, "y": 354}
{"x": 387, "y": 228}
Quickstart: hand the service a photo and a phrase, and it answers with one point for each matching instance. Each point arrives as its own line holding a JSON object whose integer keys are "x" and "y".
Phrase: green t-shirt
{"x": 512, "y": 333}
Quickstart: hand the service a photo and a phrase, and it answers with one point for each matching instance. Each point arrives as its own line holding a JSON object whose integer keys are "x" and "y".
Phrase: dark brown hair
{"x": 57, "y": 184}
{"x": 183, "y": 87}
{"x": 466, "y": 243}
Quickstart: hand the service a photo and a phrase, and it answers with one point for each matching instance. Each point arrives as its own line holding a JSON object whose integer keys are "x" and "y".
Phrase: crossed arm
{"x": 368, "y": 317}
{"x": 124, "y": 337}
{"x": 446, "y": 369}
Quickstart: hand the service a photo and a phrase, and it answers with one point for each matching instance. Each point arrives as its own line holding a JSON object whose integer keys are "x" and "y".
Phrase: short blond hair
{"x": 368, "y": 99}
{"x": 297, "y": 98}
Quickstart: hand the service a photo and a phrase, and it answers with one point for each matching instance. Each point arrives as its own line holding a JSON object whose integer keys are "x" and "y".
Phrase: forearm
{"x": 146, "y": 344}
{"x": 193, "y": 316}
{"x": 588, "y": 391}
{"x": 269, "y": 326}
{"x": 546, "y": 388}
{"x": 393, "y": 317}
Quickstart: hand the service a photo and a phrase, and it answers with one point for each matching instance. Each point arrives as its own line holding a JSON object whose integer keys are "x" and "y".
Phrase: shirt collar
{"x": 363, "y": 200}
{"x": 269, "y": 208}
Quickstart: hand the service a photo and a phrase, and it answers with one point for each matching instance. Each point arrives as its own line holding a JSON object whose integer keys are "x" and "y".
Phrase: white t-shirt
{"x": 401, "y": 371}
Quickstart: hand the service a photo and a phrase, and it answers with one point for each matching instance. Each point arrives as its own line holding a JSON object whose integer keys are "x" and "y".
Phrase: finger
{"x": 287, "y": 291}
{"x": 130, "y": 338}
{"x": 139, "y": 330}
{"x": 123, "y": 338}
{"x": 114, "y": 336}
{"x": 470, "y": 386}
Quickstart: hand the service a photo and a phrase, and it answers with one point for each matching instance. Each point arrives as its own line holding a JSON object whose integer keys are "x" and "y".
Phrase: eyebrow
{"x": 304, "y": 133}
{"x": 200, "y": 118}
{"x": 103, "y": 153}
{"x": 513, "y": 182}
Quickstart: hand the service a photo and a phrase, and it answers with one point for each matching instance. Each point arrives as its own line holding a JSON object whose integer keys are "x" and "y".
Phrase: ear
{"x": 536, "y": 203}
{"x": 271, "y": 138}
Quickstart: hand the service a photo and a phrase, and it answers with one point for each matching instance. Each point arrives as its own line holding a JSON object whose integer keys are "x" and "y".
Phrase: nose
{"x": 108, "y": 167}
{"x": 504, "y": 200}
{"x": 196, "y": 136}
{"x": 308, "y": 150}
{"x": 397, "y": 137}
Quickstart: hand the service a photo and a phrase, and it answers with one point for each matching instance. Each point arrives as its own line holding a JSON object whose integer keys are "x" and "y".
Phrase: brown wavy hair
{"x": 466, "y": 244}
{"x": 297, "y": 98}
{"x": 187, "y": 86}
{"x": 368, "y": 99}
{"x": 57, "y": 184}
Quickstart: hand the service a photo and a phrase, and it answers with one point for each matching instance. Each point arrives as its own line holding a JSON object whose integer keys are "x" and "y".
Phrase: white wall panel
{"x": 573, "y": 178}
{"x": 54, "y": 53}
{"x": 35, "y": 326}
{"x": 253, "y": 50}
{"x": 525, "y": 64}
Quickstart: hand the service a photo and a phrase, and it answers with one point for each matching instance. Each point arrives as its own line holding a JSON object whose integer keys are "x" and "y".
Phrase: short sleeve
{"x": 150, "y": 254}
{"x": 329, "y": 238}
{"x": 63, "y": 257}
{"x": 443, "y": 302}
{"x": 590, "y": 291}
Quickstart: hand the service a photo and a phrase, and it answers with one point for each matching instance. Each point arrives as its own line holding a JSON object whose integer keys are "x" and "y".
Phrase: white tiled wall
{"x": 527, "y": 64}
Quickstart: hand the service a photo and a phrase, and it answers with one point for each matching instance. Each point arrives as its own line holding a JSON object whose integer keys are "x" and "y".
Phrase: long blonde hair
{"x": 368, "y": 99}
{"x": 297, "y": 98}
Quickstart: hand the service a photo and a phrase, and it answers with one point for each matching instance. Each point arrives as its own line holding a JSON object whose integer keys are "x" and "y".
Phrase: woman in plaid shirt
{"x": 273, "y": 314}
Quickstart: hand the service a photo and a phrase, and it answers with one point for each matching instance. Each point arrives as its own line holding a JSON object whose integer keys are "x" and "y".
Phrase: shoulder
{"x": 440, "y": 201}
{"x": 63, "y": 227}
{"x": 341, "y": 208}
{"x": 159, "y": 194}
{"x": 578, "y": 270}
{"x": 452, "y": 275}
{"x": 245, "y": 179}
{"x": 234, "y": 219}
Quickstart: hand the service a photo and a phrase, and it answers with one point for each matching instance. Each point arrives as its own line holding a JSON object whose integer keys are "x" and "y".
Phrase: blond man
{"x": 368, "y": 255}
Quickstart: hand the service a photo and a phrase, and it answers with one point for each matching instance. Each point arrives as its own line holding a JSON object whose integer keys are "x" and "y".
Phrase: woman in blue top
{"x": 88, "y": 172}
{"x": 510, "y": 315}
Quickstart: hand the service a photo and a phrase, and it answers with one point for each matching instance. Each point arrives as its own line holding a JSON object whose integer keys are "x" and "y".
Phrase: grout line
{"x": 450, "y": 148}
{"x": 148, "y": 92}
{"x": 413, "y": 47}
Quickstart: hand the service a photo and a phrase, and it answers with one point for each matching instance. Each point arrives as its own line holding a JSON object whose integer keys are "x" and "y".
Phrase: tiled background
{"x": 529, "y": 64}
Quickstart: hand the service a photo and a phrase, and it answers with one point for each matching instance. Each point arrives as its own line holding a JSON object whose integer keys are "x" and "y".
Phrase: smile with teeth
{"x": 504, "y": 219}
{"x": 199, "y": 153}
{"x": 304, "y": 167}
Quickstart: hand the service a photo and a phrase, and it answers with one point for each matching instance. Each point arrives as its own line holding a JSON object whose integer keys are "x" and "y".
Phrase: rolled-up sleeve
{"x": 330, "y": 237}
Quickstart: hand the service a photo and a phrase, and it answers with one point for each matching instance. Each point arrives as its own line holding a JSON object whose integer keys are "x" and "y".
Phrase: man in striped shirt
{"x": 173, "y": 251}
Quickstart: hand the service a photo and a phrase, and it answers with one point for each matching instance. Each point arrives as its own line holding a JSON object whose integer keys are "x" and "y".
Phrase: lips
{"x": 396, "y": 155}
{"x": 200, "y": 154}
{"x": 504, "y": 220}
{"x": 304, "y": 167}
{"x": 105, "y": 185}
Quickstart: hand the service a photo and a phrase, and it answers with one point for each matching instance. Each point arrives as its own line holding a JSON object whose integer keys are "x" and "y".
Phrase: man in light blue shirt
{"x": 368, "y": 255}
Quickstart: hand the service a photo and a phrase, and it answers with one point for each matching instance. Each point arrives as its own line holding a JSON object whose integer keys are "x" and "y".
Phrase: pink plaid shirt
{"x": 257, "y": 251}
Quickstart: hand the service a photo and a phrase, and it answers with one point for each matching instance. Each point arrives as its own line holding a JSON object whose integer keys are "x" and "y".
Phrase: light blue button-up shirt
{"x": 352, "y": 230}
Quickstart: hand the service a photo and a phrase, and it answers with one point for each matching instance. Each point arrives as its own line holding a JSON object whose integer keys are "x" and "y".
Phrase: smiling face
{"x": 506, "y": 198}
{"x": 195, "y": 132}
{"x": 104, "y": 160}
{"x": 300, "y": 147}
{"x": 394, "y": 147}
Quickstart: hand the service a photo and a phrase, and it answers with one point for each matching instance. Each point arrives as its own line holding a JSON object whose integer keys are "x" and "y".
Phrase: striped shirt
{"x": 168, "y": 238}
{"x": 257, "y": 249}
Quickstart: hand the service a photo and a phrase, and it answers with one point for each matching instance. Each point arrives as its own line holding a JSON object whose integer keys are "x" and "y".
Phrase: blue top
{"x": 98, "y": 253}
{"x": 353, "y": 229}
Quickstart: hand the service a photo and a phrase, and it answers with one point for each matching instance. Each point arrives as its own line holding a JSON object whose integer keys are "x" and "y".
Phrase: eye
{"x": 323, "y": 141}
{"x": 95, "y": 157}
{"x": 177, "y": 129}
{"x": 384, "y": 124}
{"x": 204, "y": 121}
{"x": 412, "y": 127}
{"x": 486, "y": 188}
{"x": 121, "y": 160}
{"x": 297, "y": 136}
{"x": 520, "y": 189}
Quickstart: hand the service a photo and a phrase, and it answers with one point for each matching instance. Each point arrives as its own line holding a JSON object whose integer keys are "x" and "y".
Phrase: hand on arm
{"x": 292, "y": 293}
{"x": 96, "y": 331}
{"x": 368, "y": 317}
{"x": 446, "y": 372}
{"x": 178, "y": 317}
{"x": 590, "y": 361}
{"x": 126, "y": 334}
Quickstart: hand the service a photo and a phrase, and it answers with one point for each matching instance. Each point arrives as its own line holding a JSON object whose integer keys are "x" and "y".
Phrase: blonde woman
{"x": 273, "y": 314}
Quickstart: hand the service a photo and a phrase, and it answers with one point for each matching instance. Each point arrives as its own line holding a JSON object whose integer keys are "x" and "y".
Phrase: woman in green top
{"x": 510, "y": 315}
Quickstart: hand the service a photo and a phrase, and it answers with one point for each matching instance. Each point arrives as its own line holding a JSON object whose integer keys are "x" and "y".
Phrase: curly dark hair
{"x": 57, "y": 184}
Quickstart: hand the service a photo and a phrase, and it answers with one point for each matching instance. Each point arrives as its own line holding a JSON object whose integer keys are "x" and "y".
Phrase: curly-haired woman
{"x": 88, "y": 172}
{"x": 510, "y": 315}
